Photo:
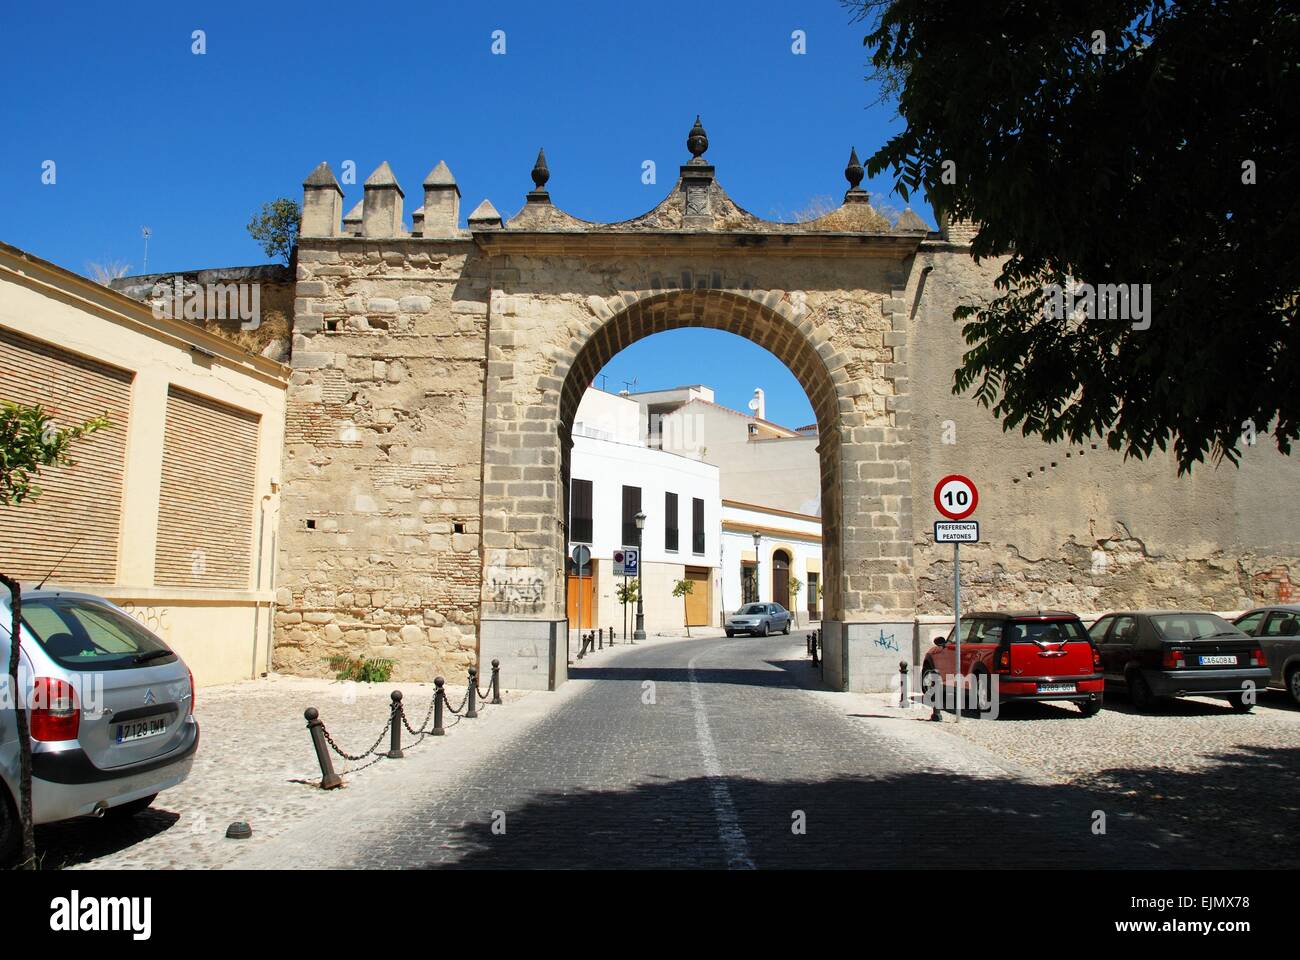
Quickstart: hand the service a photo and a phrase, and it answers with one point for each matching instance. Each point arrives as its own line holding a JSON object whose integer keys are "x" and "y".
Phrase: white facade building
{"x": 614, "y": 475}
{"x": 787, "y": 562}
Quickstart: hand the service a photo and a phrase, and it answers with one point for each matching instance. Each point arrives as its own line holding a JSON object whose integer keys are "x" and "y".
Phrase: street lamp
{"x": 758, "y": 590}
{"x": 639, "y": 632}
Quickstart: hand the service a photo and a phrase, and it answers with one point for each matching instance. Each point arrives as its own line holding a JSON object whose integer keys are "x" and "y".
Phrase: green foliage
{"x": 29, "y": 441}
{"x": 1124, "y": 157}
{"x": 682, "y": 587}
{"x": 362, "y": 669}
{"x": 275, "y": 227}
{"x": 627, "y": 591}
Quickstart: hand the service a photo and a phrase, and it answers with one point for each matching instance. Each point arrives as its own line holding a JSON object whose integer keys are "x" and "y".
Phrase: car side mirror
{"x": 941, "y": 641}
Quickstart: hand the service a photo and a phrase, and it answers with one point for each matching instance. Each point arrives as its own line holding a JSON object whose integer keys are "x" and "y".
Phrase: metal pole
{"x": 395, "y": 733}
{"x": 472, "y": 712}
{"x": 328, "y": 778}
{"x": 956, "y": 614}
{"x": 496, "y": 681}
{"x": 438, "y": 698}
{"x": 640, "y": 602}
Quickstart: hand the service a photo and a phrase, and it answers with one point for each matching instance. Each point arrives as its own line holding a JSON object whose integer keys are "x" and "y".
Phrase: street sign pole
{"x": 956, "y": 612}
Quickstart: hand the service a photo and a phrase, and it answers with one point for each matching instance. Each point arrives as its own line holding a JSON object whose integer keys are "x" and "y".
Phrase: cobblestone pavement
{"x": 714, "y": 753}
{"x": 1228, "y": 782}
{"x": 255, "y": 763}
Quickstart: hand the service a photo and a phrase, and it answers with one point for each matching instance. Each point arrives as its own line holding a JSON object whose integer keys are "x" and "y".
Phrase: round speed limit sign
{"x": 955, "y": 497}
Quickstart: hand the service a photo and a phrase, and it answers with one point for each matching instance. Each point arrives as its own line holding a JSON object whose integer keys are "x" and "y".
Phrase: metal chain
{"x": 361, "y": 756}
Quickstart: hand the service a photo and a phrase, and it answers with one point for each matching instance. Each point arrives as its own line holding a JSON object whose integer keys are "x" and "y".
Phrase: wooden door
{"x": 781, "y": 578}
{"x": 587, "y": 593}
{"x": 697, "y": 601}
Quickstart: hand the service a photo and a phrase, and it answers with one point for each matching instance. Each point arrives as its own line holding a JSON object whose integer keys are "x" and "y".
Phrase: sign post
{"x": 581, "y": 557}
{"x": 956, "y": 498}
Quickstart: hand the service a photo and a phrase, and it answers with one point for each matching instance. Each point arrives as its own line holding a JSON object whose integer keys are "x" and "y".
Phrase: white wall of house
{"x": 799, "y": 536}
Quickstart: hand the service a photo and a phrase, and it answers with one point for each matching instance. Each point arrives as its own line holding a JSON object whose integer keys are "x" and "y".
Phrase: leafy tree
{"x": 29, "y": 441}
{"x": 795, "y": 586}
{"x": 1114, "y": 142}
{"x": 683, "y": 588}
{"x": 275, "y": 227}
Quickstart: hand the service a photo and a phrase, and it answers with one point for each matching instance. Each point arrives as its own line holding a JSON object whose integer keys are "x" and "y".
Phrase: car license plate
{"x": 1218, "y": 661}
{"x": 141, "y": 729}
{"x": 1056, "y": 688}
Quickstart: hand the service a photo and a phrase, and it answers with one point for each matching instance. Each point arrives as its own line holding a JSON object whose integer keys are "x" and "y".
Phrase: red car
{"x": 1039, "y": 655}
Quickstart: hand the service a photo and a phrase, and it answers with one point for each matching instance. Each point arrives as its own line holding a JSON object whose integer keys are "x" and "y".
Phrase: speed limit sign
{"x": 955, "y": 497}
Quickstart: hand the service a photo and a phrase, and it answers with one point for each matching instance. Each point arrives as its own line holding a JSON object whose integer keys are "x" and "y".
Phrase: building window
{"x": 670, "y": 521}
{"x": 580, "y": 512}
{"x": 748, "y": 582}
{"x": 813, "y": 582}
{"x": 697, "y": 525}
{"x": 631, "y": 507}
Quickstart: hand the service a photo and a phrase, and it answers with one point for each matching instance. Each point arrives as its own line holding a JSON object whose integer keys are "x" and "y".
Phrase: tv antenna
{"x": 145, "y": 232}
{"x": 602, "y": 381}
{"x": 629, "y": 384}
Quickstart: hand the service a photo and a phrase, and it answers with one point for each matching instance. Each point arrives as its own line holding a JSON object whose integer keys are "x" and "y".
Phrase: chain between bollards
{"x": 329, "y": 780}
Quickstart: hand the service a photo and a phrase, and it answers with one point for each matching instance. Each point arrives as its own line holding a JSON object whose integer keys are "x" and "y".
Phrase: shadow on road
{"x": 1155, "y": 818}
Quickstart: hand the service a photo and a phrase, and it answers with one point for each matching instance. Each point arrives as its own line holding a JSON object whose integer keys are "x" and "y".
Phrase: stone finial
{"x": 854, "y": 173}
{"x": 484, "y": 216}
{"x": 909, "y": 222}
{"x": 352, "y": 220}
{"x": 417, "y": 222}
{"x": 322, "y": 201}
{"x": 697, "y": 141}
{"x": 441, "y": 203}
{"x": 541, "y": 173}
{"x": 381, "y": 211}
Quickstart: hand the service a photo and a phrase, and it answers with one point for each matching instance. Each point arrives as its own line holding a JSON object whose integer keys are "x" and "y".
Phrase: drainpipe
{"x": 257, "y": 585}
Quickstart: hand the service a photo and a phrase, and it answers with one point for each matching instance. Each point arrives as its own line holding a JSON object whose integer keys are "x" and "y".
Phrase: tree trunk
{"x": 20, "y": 714}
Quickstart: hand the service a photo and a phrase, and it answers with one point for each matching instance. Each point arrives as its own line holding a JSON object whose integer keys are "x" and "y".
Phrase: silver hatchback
{"x": 110, "y": 711}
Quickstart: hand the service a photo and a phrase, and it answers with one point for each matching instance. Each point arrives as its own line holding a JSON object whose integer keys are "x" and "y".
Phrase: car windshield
{"x": 83, "y": 635}
{"x": 752, "y": 608}
{"x": 1044, "y": 631}
{"x": 1193, "y": 626}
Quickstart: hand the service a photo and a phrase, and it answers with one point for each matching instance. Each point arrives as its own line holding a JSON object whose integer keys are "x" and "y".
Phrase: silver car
{"x": 1278, "y": 630}
{"x": 110, "y": 712}
{"x": 759, "y": 619}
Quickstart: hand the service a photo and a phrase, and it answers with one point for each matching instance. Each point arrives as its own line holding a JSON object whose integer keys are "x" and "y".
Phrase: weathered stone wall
{"x": 379, "y": 530}
{"x": 1077, "y": 526}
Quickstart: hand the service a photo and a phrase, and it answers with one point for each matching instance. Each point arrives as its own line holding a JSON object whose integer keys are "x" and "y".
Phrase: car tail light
{"x": 1173, "y": 660}
{"x": 1257, "y": 657}
{"x": 55, "y": 714}
{"x": 1096, "y": 659}
{"x": 193, "y": 694}
{"x": 1004, "y": 660}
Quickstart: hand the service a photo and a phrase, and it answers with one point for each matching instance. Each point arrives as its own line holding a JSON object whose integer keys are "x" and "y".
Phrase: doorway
{"x": 781, "y": 578}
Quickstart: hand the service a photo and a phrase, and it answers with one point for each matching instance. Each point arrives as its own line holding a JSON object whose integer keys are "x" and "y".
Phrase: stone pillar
{"x": 352, "y": 221}
{"x": 322, "y": 202}
{"x": 417, "y": 222}
{"x": 484, "y": 216}
{"x": 381, "y": 214}
{"x": 441, "y": 203}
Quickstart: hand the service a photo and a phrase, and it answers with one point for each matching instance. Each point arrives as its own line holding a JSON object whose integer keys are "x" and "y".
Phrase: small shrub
{"x": 362, "y": 669}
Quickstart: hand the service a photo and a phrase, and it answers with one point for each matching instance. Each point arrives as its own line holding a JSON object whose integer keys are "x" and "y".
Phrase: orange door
{"x": 587, "y": 593}
{"x": 697, "y": 601}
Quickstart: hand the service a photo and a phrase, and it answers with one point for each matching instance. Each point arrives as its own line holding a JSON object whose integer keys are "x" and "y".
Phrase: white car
{"x": 110, "y": 712}
{"x": 759, "y": 619}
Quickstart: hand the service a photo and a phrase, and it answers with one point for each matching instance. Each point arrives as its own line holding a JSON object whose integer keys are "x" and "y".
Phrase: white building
{"x": 724, "y": 476}
{"x": 614, "y": 476}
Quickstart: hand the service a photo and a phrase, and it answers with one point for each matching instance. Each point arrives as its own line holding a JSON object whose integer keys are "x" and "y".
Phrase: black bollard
{"x": 472, "y": 712}
{"x": 902, "y": 683}
{"x": 582, "y": 645}
{"x": 395, "y": 728}
{"x": 439, "y": 697}
{"x": 496, "y": 681}
{"x": 602, "y": 640}
{"x": 329, "y": 780}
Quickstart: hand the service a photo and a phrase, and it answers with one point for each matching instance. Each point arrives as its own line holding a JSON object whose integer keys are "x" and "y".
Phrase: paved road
{"x": 710, "y": 753}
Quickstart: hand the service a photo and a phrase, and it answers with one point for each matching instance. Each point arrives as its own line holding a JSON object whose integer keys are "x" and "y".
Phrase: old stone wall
{"x": 1078, "y": 526}
{"x": 379, "y": 529}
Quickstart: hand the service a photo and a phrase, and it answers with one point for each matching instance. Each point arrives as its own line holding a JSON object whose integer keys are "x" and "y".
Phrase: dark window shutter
{"x": 697, "y": 525}
{"x": 670, "y": 521}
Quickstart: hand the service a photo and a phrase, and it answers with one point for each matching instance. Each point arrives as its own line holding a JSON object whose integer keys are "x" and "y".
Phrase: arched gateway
{"x": 437, "y": 372}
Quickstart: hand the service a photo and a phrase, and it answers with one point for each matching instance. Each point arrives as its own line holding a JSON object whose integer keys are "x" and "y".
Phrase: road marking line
{"x": 730, "y": 834}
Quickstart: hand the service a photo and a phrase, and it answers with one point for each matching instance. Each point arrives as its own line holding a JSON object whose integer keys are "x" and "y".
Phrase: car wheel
{"x": 786, "y": 631}
{"x": 731, "y": 633}
{"x": 930, "y": 680}
{"x": 1139, "y": 691}
{"x": 1090, "y": 708}
{"x": 1293, "y": 685}
{"x": 11, "y": 833}
{"x": 1240, "y": 704}
{"x": 767, "y": 629}
{"x": 129, "y": 809}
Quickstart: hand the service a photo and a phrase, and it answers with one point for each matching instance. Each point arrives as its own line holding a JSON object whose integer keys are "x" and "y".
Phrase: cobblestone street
{"x": 706, "y": 752}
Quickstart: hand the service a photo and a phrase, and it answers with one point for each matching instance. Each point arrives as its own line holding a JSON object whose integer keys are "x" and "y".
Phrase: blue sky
{"x": 145, "y": 132}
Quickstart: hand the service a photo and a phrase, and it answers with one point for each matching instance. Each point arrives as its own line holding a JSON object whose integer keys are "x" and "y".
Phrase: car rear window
{"x": 84, "y": 635}
{"x": 1044, "y": 631}
{"x": 1193, "y": 626}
